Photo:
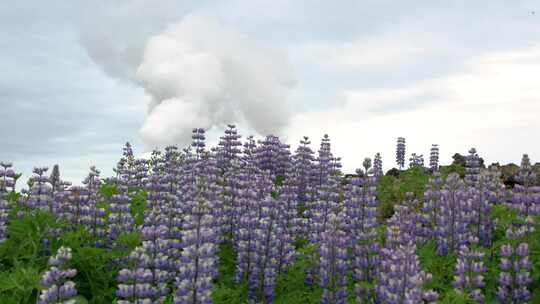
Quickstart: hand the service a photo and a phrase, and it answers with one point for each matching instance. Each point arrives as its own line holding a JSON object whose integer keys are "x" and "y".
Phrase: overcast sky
{"x": 80, "y": 78}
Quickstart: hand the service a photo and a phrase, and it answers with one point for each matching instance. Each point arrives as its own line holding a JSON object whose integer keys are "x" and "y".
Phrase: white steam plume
{"x": 202, "y": 74}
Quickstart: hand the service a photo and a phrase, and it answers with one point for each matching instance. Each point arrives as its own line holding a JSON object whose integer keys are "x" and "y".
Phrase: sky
{"x": 78, "y": 79}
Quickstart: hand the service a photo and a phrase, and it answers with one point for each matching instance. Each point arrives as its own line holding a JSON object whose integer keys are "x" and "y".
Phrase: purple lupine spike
{"x": 172, "y": 206}
{"x": 140, "y": 170}
{"x": 434, "y": 158}
{"x": 156, "y": 163}
{"x": 327, "y": 203}
{"x": 515, "y": 277}
{"x": 333, "y": 263}
{"x": 289, "y": 224}
{"x": 406, "y": 224}
{"x": 526, "y": 175}
{"x": 55, "y": 282}
{"x": 377, "y": 166}
{"x": 198, "y": 142}
{"x": 93, "y": 216}
{"x": 472, "y": 168}
{"x": 232, "y": 192}
{"x": 229, "y": 148}
{"x": 303, "y": 168}
{"x": 324, "y": 163}
{"x": 469, "y": 273}
{"x": 416, "y": 161}
{"x": 361, "y": 210}
{"x": 453, "y": 219}
{"x": 262, "y": 276}
{"x": 273, "y": 155}
{"x": 148, "y": 279}
{"x": 250, "y": 211}
{"x": 432, "y": 204}
{"x": 401, "y": 278}
{"x": 7, "y": 184}
{"x": 525, "y": 196}
{"x": 197, "y": 265}
{"x": 249, "y": 151}
{"x": 8, "y": 177}
{"x": 400, "y": 152}
{"x": 120, "y": 219}
{"x": 77, "y": 206}
{"x": 40, "y": 192}
{"x": 484, "y": 196}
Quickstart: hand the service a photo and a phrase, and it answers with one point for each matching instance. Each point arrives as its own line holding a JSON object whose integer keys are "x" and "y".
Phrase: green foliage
{"x": 226, "y": 290}
{"x": 138, "y": 205}
{"x": 290, "y": 285}
{"x": 24, "y": 255}
{"x": 19, "y": 284}
{"x": 453, "y": 168}
{"x": 440, "y": 267}
{"x": 107, "y": 190}
{"x": 391, "y": 190}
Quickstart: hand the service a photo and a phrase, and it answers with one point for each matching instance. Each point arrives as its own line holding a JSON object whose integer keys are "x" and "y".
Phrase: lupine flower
{"x": 400, "y": 152}
{"x": 273, "y": 155}
{"x": 8, "y": 177}
{"x": 409, "y": 223}
{"x": 250, "y": 212}
{"x": 416, "y": 161}
{"x": 319, "y": 211}
{"x": 453, "y": 220}
{"x": 526, "y": 176}
{"x": 262, "y": 275}
{"x": 198, "y": 141}
{"x": 140, "y": 173}
{"x": 361, "y": 211}
{"x": 147, "y": 281}
{"x": 432, "y": 203}
{"x": 324, "y": 164}
{"x": 526, "y": 197}
{"x": 515, "y": 275}
{"x": 472, "y": 168}
{"x": 401, "y": 278}
{"x": 93, "y": 216}
{"x": 197, "y": 265}
{"x": 377, "y": 165}
{"x": 434, "y": 158}
{"x": 484, "y": 196}
{"x": 333, "y": 262}
{"x": 303, "y": 169}
{"x": 55, "y": 282}
{"x": 289, "y": 224}
{"x": 229, "y": 148}
{"x": 7, "y": 183}
{"x": 469, "y": 273}
{"x": 40, "y": 196}
{"x": 120, "y": 219}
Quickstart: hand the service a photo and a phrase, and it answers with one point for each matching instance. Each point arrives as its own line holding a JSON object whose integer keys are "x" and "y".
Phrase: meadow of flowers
{"x": 251, "y": 221}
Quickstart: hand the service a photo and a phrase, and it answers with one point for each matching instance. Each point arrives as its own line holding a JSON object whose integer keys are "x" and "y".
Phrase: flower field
{"x": 251, "y": 221}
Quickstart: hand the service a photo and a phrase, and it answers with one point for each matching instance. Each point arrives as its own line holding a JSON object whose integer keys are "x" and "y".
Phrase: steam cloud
{"x": 200, "y": 73}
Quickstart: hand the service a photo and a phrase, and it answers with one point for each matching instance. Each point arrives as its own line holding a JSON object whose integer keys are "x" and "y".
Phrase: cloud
{"x": 491, "y": 105}
{"x": 200, "y": 73}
